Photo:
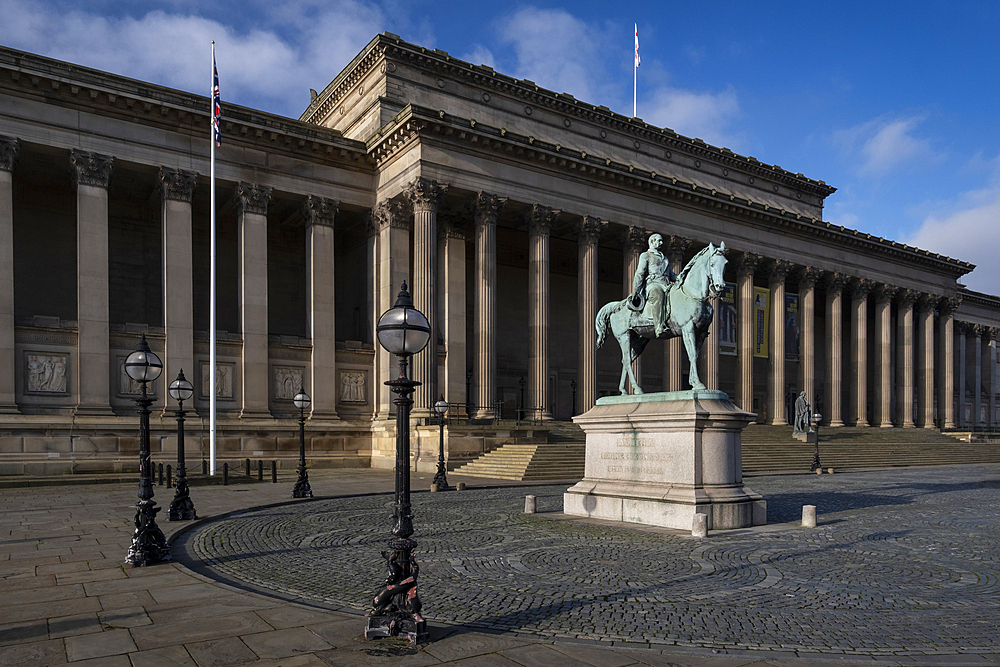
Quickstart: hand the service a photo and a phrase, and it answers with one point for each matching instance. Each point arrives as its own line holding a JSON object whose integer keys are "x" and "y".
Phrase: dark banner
{"x": 792, "y": 327}
{"x": 727, "y": 320}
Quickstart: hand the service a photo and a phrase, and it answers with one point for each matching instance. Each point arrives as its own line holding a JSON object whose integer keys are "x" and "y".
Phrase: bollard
{"x": 434, "y": 488}
{"x": 699, "y": 525}
{"x": 274, "y": 472}
{"x": 204, "y": 467}
{"x": 260, "y": 470}
{"x": 225, "y": 474}
{"x": 808, "y": 516}
{"x": 460, "y": 486}
{"x": 819, "y": 471}
{"x": 161, "y": 474}
{"x": 169, "y": 485}
{"x": 248, "y": 467}
{"x": 529, "y": 504}
{"x": 829, "y": 471}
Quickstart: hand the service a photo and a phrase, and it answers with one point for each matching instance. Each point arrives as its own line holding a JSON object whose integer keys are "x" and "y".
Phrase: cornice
{"x": 415, "y": 123}
{"x": 67, "y": 85}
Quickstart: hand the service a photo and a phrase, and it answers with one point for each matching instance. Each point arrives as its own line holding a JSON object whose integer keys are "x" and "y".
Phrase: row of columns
{"x": 91, "y": 378}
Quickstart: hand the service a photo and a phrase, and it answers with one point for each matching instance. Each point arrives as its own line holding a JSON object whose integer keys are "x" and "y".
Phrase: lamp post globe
{"x": 817, "y": 417}
{"x": 441, "y": 477}
{"x": 181, "y": 507}
{"x": 302, "y": 488}
{"x": 148, "y": 542}
{"x": 403, "y": 331}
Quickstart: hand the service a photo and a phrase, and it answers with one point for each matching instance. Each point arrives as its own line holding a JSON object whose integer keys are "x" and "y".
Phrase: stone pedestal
{"x": 660, "y": 458}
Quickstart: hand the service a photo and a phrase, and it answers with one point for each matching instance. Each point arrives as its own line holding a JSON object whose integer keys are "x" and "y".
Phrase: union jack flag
{"x": 636, "y": 48}
{"x": 216, "y": 103}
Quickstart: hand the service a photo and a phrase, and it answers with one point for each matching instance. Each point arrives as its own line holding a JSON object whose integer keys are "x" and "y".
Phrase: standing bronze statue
{"x": 664, "y": 306}
{"x": 803, "y": 415}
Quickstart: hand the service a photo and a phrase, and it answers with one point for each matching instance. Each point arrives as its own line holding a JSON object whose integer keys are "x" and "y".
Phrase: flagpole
{"x": 635, "y": 70}
{"x": 211, "y": 319}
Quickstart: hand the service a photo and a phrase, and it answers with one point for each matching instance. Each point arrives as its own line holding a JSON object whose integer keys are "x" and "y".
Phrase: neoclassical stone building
{"x": 511, "y": 211}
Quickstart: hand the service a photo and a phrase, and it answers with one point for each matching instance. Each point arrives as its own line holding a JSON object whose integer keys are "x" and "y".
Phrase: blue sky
{"x": 895, "y": 104}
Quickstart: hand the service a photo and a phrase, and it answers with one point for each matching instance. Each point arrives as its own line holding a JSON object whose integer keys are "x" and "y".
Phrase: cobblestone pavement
{"x": 904, "y": 562}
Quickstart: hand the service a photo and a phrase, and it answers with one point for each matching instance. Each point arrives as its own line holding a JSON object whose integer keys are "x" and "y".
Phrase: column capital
{"x": 425, "y": 194}
{"x": 633, "y": 239}
{"x": 950, "y": 304}
{"x": 860, "y": 287}
{"x": 676, "y": 247}
{"x": 486, "y": 208}
{"x": 91, "y": 168}
{"x": 9, "y": 148}
{"x": 905, "y": 298}
{"x": 319, "y": 211}
{"x": 835, "y": 281}
{"x": 540, "y": 218}
{"x": 747, "y": 264}
{"x": 992, "y": 333}
{"x": 252, "y": 197}
{"x": 176, "y": 184}
{"x": 962, "y": 327}
{"x": 590, "y": 229}
{"x": 928, "y": 302}
{"x": 885, "y": 293}
{"x": 808, "y": 275}
{"x": 980, "y": 330}
{"x": 387, "y": 214}
{"x": 452, "y": 227}
{"x": 778, "y": 270}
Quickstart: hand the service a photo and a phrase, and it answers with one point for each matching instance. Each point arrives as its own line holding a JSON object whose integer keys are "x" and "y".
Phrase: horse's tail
{"x": 603, "y": 316}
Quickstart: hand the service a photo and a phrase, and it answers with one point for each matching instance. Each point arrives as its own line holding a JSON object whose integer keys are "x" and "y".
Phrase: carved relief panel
{"x": 225, "y": 380}
{"x": 46, "y": 373}
{"x": 127, "y": 386}
{"x": 287, "y": 381}
{"x": 353, "y": 387}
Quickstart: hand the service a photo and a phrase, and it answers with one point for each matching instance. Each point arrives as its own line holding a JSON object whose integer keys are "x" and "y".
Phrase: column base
{"x": 255, "y": 414}
{"x": 835, "y": 424}
{"x": 93, "y": 410}
{"x": 887, "y": 425}
{"x": 326, "y": 415}
{"x": 862, "y": 423}
{"x": 483, "y": 414}
{"x": 9, "y": 409}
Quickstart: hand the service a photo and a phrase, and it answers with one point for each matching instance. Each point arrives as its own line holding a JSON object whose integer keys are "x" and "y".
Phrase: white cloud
{"x": 305, "y": 46}
{"x": 703, "y": 115}
{"x": 883, "y": 145}
{"x": 480, "y": 56}
{"x": 968, "y": 228}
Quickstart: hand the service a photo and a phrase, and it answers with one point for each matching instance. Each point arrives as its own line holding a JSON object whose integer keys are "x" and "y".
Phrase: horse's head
{"x": 716, "y": 260}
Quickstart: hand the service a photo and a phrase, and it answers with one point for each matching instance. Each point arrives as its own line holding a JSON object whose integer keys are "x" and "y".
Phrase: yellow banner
{"x": 762, "y": 318}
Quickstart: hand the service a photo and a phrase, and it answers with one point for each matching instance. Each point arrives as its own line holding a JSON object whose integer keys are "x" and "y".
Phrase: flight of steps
{"x": 772, "y": 449}
{"x": 563, "y": 457}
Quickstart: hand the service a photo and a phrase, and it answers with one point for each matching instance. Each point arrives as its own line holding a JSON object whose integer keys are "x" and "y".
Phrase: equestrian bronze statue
{"x": 663, "y": 306}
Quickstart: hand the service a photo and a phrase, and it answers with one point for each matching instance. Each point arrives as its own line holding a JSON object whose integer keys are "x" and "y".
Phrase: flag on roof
{"x": 636, "y": 45}
{"x": 216, "y": 103}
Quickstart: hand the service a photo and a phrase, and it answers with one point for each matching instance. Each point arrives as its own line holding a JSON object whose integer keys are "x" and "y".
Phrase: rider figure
{"x": 654, "y": 278}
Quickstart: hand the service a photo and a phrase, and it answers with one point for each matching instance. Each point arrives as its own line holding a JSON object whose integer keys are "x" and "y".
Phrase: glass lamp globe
{"x": 403, "y": 330}
{"x": 143, "y": 365}
{"x": 180, "y": 389}
{"x": 301, "y": 400}
{"x": 441, "y": 406}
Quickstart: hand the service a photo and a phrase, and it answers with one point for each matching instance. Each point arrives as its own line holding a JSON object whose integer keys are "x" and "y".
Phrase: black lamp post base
{"x": 181, "y": 507}
{"x": 816, "y": 464}
{"x": 396, "y": 608}
{"x": 302, "y": 488}
{"x": 441, "y": 478}
{"x": 149, "y": 545}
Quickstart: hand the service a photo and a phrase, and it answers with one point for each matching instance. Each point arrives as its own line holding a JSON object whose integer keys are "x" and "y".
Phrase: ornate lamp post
{"x": 816, "y": 464}
{"x": 181, "y": 507}
{"x": 148, "y": 542}
{"x": 302, "y": 488}
{"x": 572, "y": 385}
{"x": 403, "y": 331}
{"x": 522, "y": 382}
{"x": 441, "y": 477}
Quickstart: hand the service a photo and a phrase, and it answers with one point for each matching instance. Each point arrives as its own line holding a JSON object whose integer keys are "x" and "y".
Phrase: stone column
{"x": 807, "y": 335}
{"x": 777, "y": 272}
{"x": 744, "y": 316}
{"x": 904, "y": 361}
{"x": 319, "y": 214}
{"x": 9, "y": 148}
{"x": 392, "y": 227}
{"x": 372, "y": 303}
{"x": 252, "y": 200}
{"x": 991, "y": 379}
{"x": 92, "y": 378}
{"x": 946, "y": 371}
{"x": 962, "y": 329}
{"x": 633, "y": 242}
{"x": 425, "y": 195}
{"x": 883, "y": 355}
{"x": 925, "y": 344}
{"x": 176, "y": 189}
{"x": 589, "y": 235}
{"x": 834, "y": 341}
{"x": 977, "y": 387}
{"x": 539, "y": 223}
{"x": 859, "y": 350}
{"x": 673, "y": 374}
{"x": 452, "y": 314}
{"x": 709, "y": 357}
{"x": 486, "y": 211}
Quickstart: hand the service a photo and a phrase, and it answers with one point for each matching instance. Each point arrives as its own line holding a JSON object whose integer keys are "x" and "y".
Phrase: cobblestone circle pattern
{"x": 904, "y": 560}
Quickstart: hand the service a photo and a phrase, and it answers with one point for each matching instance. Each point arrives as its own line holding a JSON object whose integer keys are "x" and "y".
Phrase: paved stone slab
{"x": 168, "y": 656}
{"x": 112, "y": 642}
{"x": 225, "y": 652}
{"x": 284, "y": 643}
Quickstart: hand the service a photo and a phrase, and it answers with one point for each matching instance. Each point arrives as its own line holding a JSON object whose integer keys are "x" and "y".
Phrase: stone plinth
{"x": 659, "y": 459}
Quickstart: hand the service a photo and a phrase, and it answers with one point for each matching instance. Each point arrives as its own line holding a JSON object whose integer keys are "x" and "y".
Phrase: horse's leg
{"x": 621, "y": 385}
{"x": 626, "y": 345}
{"x": 692, "y": 352}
